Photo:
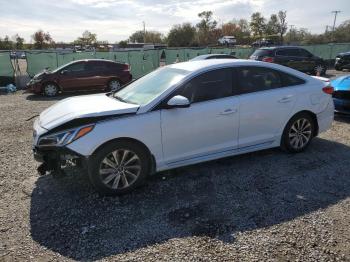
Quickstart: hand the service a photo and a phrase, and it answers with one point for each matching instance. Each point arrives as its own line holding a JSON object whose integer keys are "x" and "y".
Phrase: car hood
{"x": 341, "y": 83}
{"x": 83, "y": 107}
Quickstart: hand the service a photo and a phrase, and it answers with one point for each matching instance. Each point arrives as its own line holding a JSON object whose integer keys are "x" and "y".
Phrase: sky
{"x": 115, "y": 20}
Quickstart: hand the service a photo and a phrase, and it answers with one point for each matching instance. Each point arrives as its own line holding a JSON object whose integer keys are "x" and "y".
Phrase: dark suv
{"x": 342, "y": 61}
{"x": 294, "y": 57}
{"x": 90, "y": 74}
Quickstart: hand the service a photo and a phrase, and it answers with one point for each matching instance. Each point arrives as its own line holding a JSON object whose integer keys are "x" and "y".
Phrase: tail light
{"x": 126, "y": 67}
{"x": 268, "y": 59}
{"x": 328, "y": 90}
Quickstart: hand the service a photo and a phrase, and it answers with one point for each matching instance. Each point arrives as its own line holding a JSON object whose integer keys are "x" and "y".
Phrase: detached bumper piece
{"x": 55, "y": 159}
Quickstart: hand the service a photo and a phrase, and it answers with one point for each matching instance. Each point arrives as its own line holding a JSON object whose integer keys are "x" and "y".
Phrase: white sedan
{"x": 180, "y": 115}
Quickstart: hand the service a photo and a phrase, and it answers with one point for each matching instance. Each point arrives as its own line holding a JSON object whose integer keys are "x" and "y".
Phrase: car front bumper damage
{"x": 53, "y": 159}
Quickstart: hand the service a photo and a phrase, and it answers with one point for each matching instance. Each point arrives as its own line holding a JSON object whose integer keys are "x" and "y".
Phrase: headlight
{"x": 65, "y": 137}
{"x": 35, "y": 80}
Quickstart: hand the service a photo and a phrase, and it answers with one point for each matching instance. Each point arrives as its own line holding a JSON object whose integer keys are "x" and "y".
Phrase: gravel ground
{"x": 263, "y": 206}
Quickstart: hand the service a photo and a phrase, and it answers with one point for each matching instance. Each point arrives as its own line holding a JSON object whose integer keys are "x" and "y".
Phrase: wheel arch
{"x": 135, "y": 141}
{"x": 312, "y": 115}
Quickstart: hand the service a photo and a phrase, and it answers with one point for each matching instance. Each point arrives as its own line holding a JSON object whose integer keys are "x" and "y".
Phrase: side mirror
{"x": 178, "y": 102}
{"x": 64, "y": 72}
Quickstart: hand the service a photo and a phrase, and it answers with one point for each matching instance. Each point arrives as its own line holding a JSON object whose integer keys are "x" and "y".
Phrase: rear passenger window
{"x": 289, "y": 80}
{"x": 254, "y": 79}
{"x": 208, "y": 86}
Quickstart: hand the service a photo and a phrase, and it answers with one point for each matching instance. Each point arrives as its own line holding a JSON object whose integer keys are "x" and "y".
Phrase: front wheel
{"x": 119, "y": 167}
{"x": 298, "y": 133}
{"x": 50, "y": 90}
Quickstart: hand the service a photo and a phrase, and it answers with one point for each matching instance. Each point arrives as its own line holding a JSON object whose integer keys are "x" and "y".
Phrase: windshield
{"x": 147, "y": 88}
{"x": 61, "y": 67}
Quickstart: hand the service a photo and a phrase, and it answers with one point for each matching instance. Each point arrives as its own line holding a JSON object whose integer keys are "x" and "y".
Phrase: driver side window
{"x": 208, "y": 86}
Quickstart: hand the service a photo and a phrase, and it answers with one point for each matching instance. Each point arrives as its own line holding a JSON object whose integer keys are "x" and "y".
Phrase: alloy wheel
{"x": 50, "y": 90}
{"x": 120, "y": 169}
{"x": 114, "y": 85}
{"x": 300, "y": 133}
{"x": 319, "y": 69}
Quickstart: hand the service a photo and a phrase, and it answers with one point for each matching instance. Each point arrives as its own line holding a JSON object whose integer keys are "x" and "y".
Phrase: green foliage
{"x": 87, "y": 38}
{"x": 206, "y": 34}
{"x": 257, "y": 24}
{"x": 123, "y": 44}
{"x": 181, "y": 35}
{"x": 42, "y": 40}
{"x": 148, "y": 37}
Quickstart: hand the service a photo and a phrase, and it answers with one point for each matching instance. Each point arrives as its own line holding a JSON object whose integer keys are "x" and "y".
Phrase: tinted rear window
{"x": 262, "y": 52}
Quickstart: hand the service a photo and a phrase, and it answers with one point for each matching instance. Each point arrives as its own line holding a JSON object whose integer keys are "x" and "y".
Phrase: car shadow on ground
{"x": 342, "y": 118}
{"x": 35, "y": 97}
{"x": 214, "y": 199}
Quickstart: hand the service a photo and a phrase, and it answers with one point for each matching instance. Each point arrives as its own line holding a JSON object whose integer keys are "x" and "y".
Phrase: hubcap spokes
{"x": 120, "y": 169}
{"x": 50, "y": 90}
{"x": 300, "y": 133}
{"x": 114, "y": 85}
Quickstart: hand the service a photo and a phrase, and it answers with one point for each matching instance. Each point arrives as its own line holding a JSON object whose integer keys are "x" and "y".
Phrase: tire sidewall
{"x": 100, "y": 154}
{"x": 285, "y": 142}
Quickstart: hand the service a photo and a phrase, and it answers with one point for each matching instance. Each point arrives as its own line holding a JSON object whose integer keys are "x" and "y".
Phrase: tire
{"x": 298, "y": 133}
{"x": 50, "y": 90}
{"x": 114, "y": 85}
{"x": 110, "y": 178}
{"x": 321, "y": 69}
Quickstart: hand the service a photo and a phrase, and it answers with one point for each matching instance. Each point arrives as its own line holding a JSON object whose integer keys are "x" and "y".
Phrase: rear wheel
{"x": 320, "y": 69}
{"x": 114, "y": 85}
{"x": 50, "y": 90}
{"x": 298, "y": 133}
{"x": 119, "y": 167}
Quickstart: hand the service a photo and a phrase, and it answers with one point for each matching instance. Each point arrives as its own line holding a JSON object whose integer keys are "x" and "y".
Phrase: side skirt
{"x": 218, "y": 155}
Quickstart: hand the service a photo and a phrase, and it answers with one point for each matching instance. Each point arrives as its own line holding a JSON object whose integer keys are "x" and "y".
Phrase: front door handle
{"x": 228, "y": 111}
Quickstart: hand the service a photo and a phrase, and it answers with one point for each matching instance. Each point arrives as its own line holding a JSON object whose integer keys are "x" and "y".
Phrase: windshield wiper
{"x": 123, "y": 100}
{"x": 120, "y": 99}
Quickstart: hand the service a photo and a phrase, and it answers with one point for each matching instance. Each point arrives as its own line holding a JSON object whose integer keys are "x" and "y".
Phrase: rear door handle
{"x": 285, "y": 99}
{"x": 228, "y": 111}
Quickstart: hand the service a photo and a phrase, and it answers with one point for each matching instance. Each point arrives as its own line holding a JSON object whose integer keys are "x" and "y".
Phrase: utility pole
{"x": 335, "y": 18}
{"x": 144, "y": 32}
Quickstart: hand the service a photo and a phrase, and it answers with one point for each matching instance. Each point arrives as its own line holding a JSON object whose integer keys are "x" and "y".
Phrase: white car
{"x": 227, "y": 40}
{"x": 183, "y": 114}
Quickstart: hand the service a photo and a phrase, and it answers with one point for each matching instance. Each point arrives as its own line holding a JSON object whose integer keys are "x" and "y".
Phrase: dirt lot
{"x": 267, "y": 205}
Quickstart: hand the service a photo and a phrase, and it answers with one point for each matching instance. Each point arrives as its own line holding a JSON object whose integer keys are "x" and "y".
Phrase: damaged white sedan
{"x": 180, "y": 115}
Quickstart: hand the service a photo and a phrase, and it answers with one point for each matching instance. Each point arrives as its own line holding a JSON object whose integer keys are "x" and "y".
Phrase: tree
{"x": 123, "y": 44}
{"x": 181, "y": 35}
{"x": 87, "y": 38}
{"x": 42, "y": 40}
{"x": 272, "y": 27}
{"x": 257, "y": 24}
{"x": 18, "y": 42}
{"x": 282, "y": 24}
{"x": 342, "y": 32}
{"x": 206, "y": 27}
{"x": 148, "y": 37}
{"x": 137, "y": 37}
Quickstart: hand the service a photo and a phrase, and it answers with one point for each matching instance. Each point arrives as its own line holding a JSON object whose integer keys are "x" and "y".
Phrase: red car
{"x": 90, "y": 74}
